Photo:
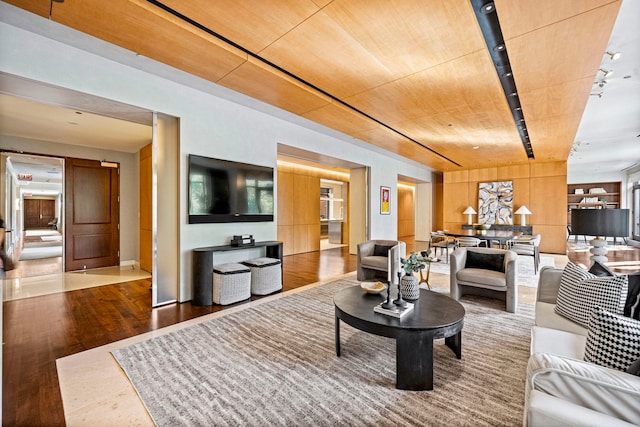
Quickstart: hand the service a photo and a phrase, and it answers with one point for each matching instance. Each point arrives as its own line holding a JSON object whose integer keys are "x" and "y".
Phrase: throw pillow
{"x": 632, "y": 305}
{"x": 613, "y": 340}
{"x": 634, "y": 368}
{"x": 493, "y": 262}
{"x": 580, "y": 292}
{"x": 381, "y": 250}
{"x": 601, "y": 270}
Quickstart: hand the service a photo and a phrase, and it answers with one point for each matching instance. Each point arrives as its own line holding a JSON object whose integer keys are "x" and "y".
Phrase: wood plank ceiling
{"x": 411, "y": 76}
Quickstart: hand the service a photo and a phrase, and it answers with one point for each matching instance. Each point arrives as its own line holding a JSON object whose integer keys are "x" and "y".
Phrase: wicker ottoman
{"x": 266, "y": 275}
{"x": 231, "y": 283}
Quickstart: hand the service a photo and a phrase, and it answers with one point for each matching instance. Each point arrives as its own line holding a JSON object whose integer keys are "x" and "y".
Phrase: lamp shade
{"x": 468, "y": 212}
{"x": 522, "y": 210}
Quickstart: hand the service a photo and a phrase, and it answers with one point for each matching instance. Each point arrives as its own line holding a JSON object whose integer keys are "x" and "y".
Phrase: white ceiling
{"x": 608, "y": 138}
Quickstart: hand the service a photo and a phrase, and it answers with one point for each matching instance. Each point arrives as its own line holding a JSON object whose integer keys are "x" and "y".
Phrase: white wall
{"x": 210, "y": 125}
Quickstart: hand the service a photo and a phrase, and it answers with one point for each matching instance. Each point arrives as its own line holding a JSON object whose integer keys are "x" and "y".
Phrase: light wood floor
{"x": 41, "y": 329}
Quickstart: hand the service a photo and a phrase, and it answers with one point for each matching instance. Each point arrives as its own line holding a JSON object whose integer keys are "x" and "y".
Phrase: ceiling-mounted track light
{"x": 605, "y": 73}
{"x": 487, "y": 17}
{"x": 613, "y": 55}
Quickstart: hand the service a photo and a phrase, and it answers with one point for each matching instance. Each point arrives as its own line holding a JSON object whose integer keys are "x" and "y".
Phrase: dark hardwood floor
{"x": 41, "y": 329}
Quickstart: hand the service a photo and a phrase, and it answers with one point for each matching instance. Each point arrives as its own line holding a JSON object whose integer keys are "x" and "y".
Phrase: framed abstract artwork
{"x": 495, "y": 202}
{"x": 385, "y": 200}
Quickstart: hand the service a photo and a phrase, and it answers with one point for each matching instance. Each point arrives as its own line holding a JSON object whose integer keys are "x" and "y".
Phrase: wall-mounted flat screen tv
{"x": 226, "y": 191}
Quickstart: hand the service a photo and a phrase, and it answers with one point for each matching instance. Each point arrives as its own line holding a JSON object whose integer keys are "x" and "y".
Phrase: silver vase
{"x": 410, "y": 287}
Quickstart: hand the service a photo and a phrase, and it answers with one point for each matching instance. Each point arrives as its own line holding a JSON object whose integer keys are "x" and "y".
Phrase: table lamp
{"x": 469, "y": 211}
{"x": 523, "y": 211}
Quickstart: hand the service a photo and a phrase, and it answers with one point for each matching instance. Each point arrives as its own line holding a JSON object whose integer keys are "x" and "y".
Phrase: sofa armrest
{"x": 548, "y": 284}
{"x": 545, "y": 410}
{"x": 585, "y": 384}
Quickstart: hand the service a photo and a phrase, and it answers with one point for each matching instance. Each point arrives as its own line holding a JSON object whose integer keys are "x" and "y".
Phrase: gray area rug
{"x": 526, "y": 273}
{"x": 275, "y": 364}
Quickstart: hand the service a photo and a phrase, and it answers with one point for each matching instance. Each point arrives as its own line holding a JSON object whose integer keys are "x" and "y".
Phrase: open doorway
{"x": 33, "y": 213}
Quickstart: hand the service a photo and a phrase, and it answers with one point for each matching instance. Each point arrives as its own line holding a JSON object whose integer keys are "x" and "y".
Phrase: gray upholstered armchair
{"x": 484, "y": 271}
{"x": 380, "y": 260}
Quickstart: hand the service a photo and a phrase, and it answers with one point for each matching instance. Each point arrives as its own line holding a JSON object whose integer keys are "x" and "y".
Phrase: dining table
{"x": 489, "y": 236}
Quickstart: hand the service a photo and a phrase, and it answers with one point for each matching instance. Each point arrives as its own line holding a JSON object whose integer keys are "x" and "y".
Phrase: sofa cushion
{"x": 580, "y": 293}
{"x": 381, "y": 250}
{"x": 613, "y": 340}
{"x": 560, "y": 343}
{"x": 547, "y": 317}
{"x": 485, "y": 261}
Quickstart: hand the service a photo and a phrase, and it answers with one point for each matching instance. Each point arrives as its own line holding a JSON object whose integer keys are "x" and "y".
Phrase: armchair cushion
{"x": 613, "y": 341}
{"x": 485, "y": 261}
{"x": 577, "y": 296}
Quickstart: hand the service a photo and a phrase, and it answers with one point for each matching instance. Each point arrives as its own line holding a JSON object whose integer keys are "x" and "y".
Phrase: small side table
{"x": 424, "y": 275}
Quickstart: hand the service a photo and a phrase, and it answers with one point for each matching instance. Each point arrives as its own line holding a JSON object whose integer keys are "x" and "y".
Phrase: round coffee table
{"x": 434, "y": 316}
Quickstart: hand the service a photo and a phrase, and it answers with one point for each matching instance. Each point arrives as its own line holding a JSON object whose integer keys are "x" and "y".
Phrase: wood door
{"x": 47, "y": 211}
{"x": 38, "y": 213}
{"x": 92, "y": 215}
{"x": 31, "y": 213}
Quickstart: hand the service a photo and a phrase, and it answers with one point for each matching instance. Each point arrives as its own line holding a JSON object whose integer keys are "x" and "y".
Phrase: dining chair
{"x": 528, "y": 246}
{"x": 441, "y": 241}
{"x": 461, "y": 242}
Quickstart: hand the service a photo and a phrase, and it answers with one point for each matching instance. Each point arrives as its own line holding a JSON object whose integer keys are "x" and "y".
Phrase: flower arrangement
{"x": 415, "y": 262}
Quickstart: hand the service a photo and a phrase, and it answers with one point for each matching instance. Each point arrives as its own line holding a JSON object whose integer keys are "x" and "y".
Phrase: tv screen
{"x": 226, "y": 191}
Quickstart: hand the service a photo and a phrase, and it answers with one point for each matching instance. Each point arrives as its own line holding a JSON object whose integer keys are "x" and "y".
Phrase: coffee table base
{"x": 414, "y": 355}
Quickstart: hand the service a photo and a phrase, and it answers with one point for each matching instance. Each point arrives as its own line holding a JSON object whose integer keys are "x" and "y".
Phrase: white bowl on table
{"x": 373, "y": 287}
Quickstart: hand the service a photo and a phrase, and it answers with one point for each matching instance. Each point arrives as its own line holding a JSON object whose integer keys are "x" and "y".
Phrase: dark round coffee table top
{"x": 431, "y": 311}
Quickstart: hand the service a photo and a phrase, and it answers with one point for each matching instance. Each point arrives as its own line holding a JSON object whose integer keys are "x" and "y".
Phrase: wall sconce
{"x": 469, "y": 211}
{"x": 523, "y": 211}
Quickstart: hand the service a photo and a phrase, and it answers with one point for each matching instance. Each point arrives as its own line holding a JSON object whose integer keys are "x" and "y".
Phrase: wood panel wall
{"x": 299, "y": 208}
{"x": 539, "y": 186}
{"x": 406, "y": 212}
{"x": 146, "y": 236}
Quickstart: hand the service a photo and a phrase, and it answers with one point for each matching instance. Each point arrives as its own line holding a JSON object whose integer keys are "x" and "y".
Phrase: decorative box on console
{"x": 243, "y": 240}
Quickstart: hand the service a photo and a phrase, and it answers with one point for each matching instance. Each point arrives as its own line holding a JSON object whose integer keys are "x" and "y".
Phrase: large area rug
{"x": 526, "y": 273}
{"x": 275, "y": 364}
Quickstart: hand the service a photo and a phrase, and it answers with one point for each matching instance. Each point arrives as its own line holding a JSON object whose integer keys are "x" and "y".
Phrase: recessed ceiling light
{"x": 73, "y": 123}
{"x": 500, "y": 47}
{"x": 488, "y": 8}
{"x": 475, "y": 147}
{"x": 78, "y": 112}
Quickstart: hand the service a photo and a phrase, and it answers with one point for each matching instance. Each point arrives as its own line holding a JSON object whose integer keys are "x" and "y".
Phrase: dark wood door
{"x": 92, "y": 215}
{"x": 38, "y": 213}
{"x": 31, "y": 213}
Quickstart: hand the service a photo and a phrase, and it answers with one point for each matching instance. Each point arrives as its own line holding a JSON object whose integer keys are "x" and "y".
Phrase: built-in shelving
{"x": 586, "y": 200}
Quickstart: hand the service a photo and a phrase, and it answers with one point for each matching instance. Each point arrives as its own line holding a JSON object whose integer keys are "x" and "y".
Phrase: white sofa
{"x": 563, "y": 389}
